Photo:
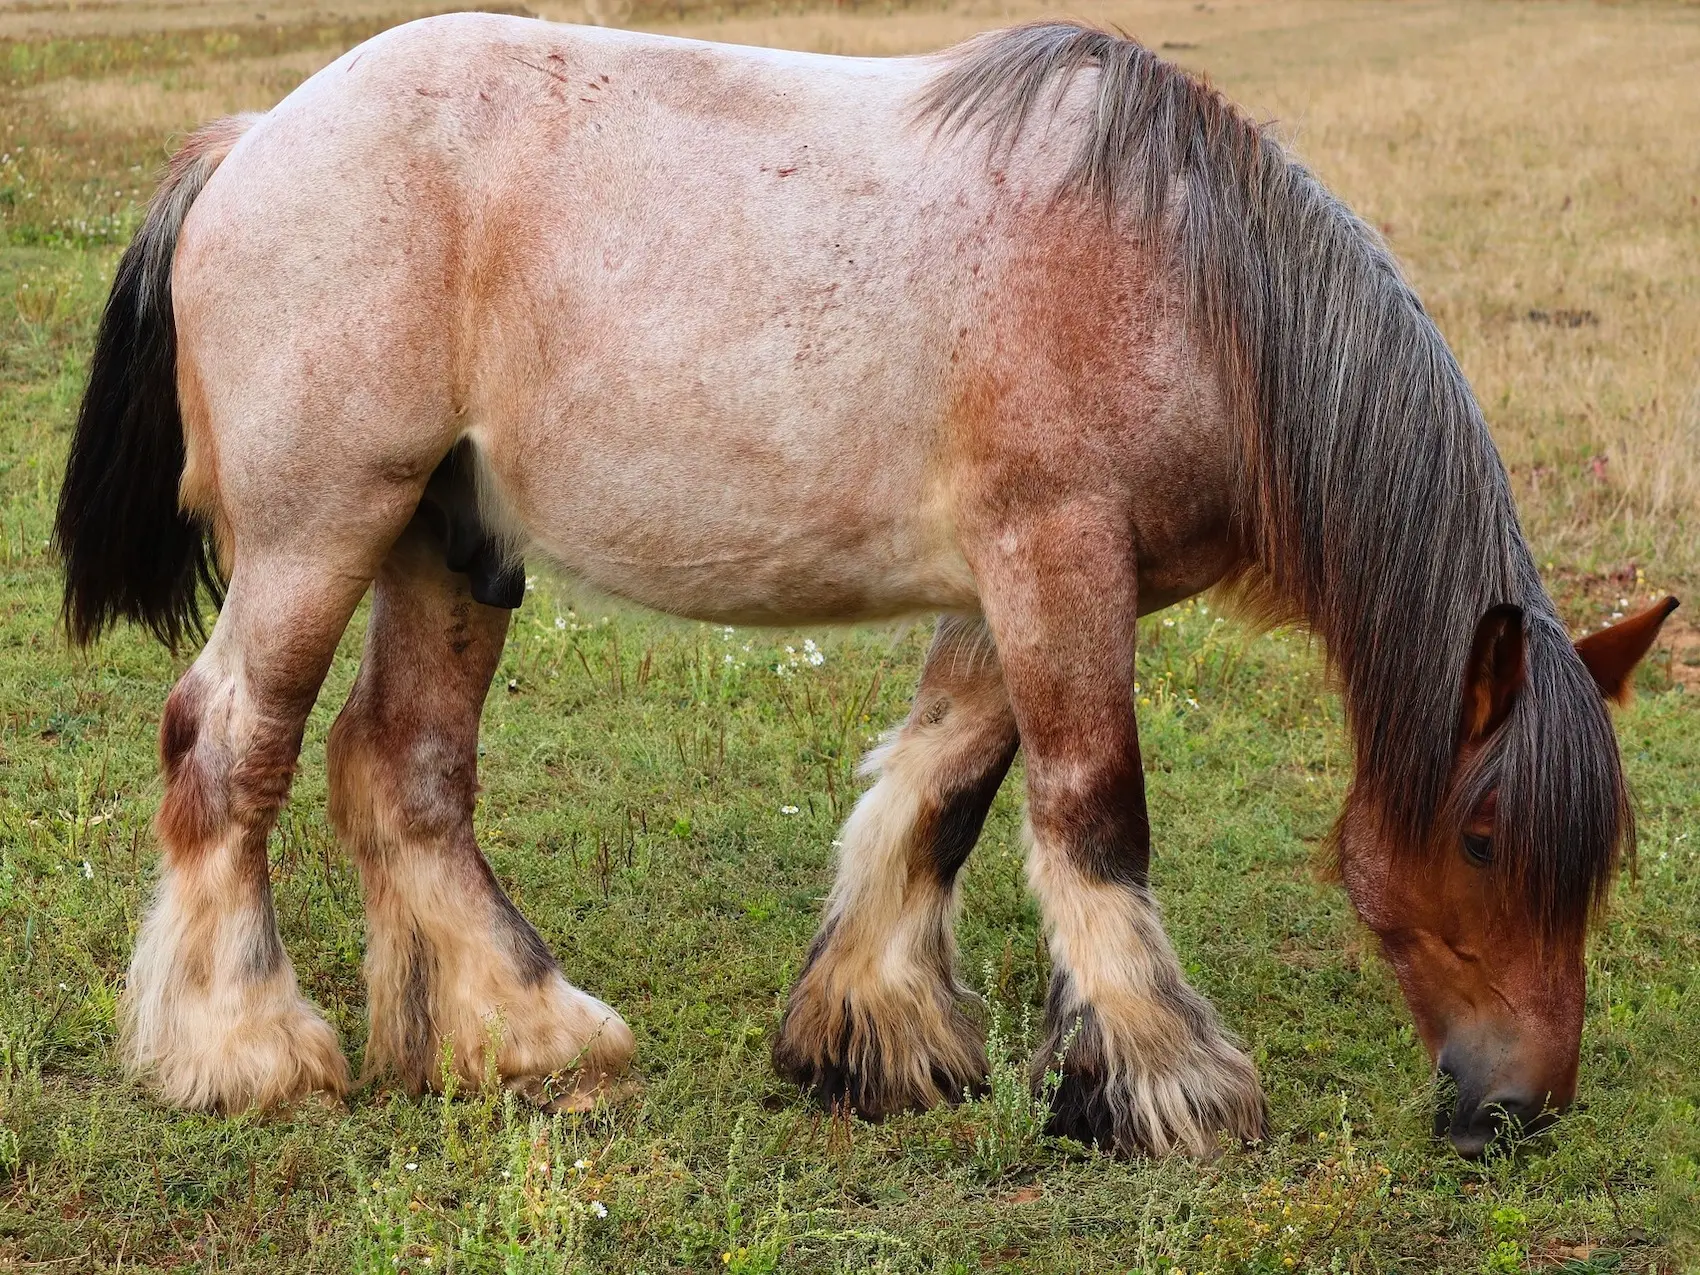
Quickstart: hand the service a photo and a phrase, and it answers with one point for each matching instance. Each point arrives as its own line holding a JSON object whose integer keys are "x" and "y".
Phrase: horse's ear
{"x": 1612, "y": 654}
{"x": 1494, "y": 674}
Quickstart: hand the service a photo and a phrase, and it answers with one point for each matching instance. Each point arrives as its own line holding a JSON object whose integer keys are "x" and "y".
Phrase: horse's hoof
{"x": 876, "y": 1071}
{"x": 1133, "y": 1113}
{"x": 576, "y": 1092}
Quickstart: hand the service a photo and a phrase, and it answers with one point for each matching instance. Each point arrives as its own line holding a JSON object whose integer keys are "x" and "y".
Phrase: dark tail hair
{"x": 129, "y": 550}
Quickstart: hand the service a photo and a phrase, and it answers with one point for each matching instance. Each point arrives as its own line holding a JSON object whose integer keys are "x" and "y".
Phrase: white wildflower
{"x": 412, "y": 1166}
{"x": 599, "y": 1208}
{"x": 88, "y": 871}
{"x": 787, "y": 810}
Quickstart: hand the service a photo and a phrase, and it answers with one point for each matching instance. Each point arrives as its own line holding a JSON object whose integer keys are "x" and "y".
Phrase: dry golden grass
{"x": 170, "y": 104}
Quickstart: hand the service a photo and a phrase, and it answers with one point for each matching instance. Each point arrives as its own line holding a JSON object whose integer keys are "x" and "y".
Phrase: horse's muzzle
{"x": 1472, "y": 1121}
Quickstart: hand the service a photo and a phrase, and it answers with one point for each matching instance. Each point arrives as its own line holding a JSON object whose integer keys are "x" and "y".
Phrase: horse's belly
{"x": 718, "y": 500}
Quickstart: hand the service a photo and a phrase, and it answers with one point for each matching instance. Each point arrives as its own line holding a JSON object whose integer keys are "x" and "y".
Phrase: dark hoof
{"x": 1113, "y": 1114}
{"x": 1081, "y": 1110}
{"x": 870, "y": 1079}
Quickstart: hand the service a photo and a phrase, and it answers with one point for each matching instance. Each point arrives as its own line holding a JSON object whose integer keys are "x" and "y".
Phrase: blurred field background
{"x": 1535, "y": 167}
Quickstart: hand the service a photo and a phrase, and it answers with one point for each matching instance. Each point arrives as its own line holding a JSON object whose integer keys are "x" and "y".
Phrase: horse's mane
{"x": 1372, "y": 503}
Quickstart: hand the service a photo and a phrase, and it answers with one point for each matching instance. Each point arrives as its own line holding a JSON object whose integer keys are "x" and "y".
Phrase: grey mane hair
{"x": 1372, "y": 503}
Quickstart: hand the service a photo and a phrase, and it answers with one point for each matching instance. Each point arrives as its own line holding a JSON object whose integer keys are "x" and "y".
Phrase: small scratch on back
{"x": 549, "y": 71}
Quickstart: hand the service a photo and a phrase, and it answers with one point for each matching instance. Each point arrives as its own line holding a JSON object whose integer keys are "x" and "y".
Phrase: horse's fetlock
{"x": 1145, "y": 1086}
{"x": 851, "y": 1038}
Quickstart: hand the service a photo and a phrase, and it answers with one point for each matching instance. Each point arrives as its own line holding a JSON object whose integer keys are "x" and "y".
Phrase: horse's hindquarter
{"x": 735, "y": 337}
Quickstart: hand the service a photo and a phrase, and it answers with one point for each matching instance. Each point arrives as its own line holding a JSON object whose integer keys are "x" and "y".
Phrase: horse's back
{"x": 723, "y": 323}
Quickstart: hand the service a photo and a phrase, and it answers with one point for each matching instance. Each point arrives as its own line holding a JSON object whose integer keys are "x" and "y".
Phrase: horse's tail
{"x": 129, "y": 549}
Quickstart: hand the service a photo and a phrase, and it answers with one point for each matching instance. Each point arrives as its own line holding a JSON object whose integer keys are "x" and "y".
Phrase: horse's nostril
{"x": 1523, "y": 1115}
{"x": 1513, "y": 1115}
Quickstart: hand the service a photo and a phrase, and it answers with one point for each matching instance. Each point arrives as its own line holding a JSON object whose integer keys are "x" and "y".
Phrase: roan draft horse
{"x": 1039, "y": 334}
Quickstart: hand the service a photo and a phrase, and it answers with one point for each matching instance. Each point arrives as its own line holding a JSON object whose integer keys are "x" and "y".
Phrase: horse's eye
{"x": 1479, "y": 848}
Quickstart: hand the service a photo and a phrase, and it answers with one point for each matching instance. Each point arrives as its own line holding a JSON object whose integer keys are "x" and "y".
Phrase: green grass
{"x": 634, "y": 786}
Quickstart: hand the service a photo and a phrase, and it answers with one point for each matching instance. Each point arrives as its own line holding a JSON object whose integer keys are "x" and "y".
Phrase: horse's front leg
{"x": 1146, "y": 1067}
{"x": 875, "y": 1020}
{"x": 449, "y": 959}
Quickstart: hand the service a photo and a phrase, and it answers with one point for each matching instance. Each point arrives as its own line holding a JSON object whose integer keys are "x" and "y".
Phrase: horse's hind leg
{"x": 448, "y": 957}
{"x": 875, "y": 1017}
{"x": 211, "y": 1015}
{"x": 1146, "y": 1066}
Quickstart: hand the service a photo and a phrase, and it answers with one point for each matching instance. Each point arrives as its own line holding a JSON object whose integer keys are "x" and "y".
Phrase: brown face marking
{"x": 1496, "y": 1002}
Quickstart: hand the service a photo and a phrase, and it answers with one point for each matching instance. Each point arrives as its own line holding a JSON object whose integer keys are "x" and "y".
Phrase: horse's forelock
{"x": 1564, "y": 815}
{"x": 1372, "y": 501}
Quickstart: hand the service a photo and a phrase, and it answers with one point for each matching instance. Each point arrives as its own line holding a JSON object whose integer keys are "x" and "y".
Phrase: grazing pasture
{"x": 660, "y": 798}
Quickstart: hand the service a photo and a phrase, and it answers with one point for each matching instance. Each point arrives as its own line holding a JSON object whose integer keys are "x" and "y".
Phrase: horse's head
{"x": 1484, "y": 925}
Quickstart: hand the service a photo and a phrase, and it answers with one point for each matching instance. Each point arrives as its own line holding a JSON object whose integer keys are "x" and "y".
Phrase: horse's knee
{"x": 1091, "y": 813}
{"x": 228, "y": 759}
{"x": 191, "y": 815}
